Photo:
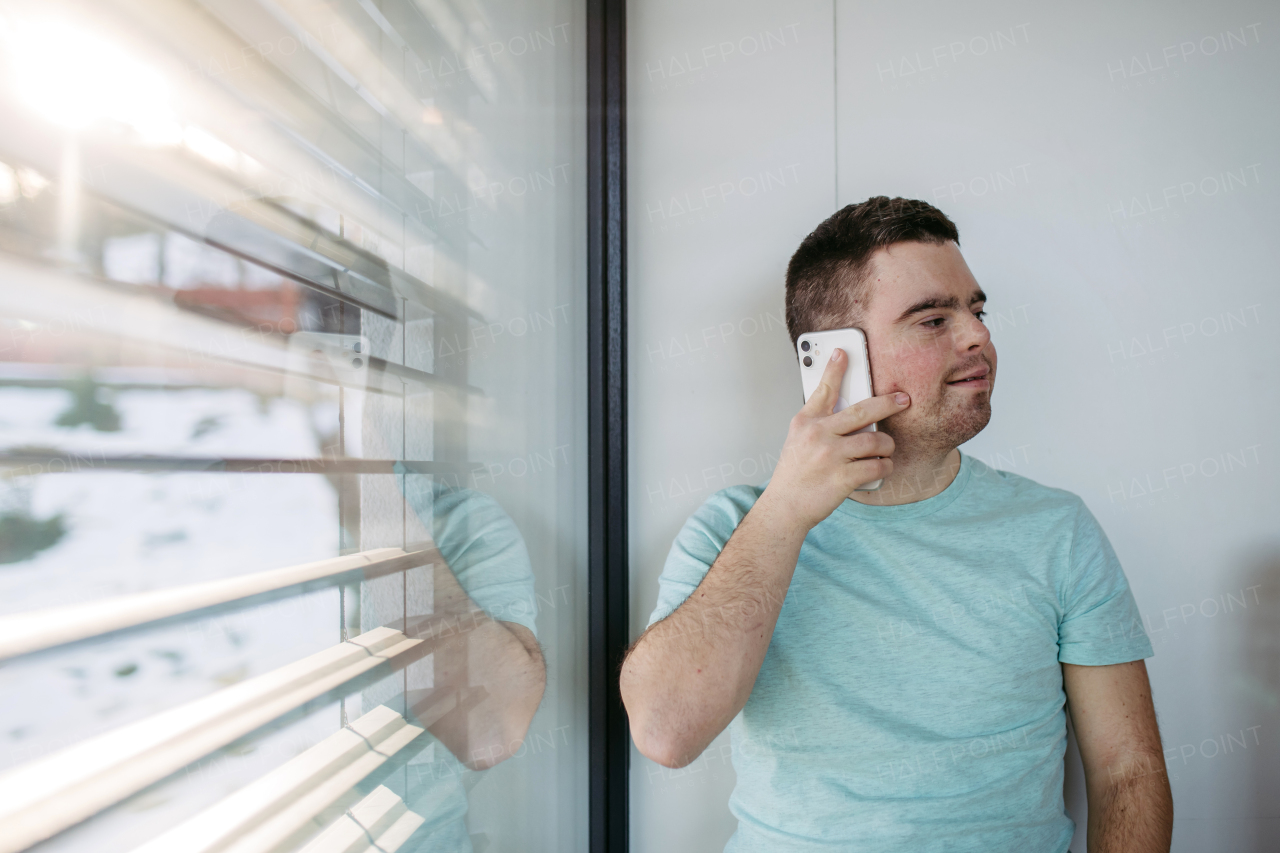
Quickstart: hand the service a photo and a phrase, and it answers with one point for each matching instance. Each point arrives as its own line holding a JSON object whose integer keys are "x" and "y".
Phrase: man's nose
{"x": 975, "y": 335}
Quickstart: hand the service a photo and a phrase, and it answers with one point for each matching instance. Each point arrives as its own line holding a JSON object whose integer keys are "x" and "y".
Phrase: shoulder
{"x": 469, "y": 527}
{"x": 726, "y": 508}
{"x": 451, "y": 508}
{"x": 466, "y": 519}
{"x": 1020, "y": 494}
{"x": 707, "y": 530}
{"x": 450, "y": 500}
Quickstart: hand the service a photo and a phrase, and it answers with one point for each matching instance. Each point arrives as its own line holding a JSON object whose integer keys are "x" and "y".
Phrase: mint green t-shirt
{"x": 911, "y": 697}
{"x": 487, "y": 555}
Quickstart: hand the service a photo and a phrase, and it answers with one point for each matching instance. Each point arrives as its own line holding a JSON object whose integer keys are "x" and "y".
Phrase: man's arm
{"x": 488, "y": 676}
{"x": 1130, "y": 804}
{"x": 689, "y": 675}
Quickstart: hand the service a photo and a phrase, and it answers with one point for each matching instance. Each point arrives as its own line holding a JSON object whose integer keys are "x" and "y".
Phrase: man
{"x": 487, "y": 670}
{"x": 895, "y": 663}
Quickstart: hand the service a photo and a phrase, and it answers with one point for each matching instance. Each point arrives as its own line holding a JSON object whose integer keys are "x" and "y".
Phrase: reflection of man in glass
{"x": 893, "y": 665}
{"x": 488, "y": 671}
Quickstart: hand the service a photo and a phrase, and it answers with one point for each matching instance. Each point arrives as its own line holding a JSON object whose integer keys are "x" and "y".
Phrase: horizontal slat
{"x": 24, "y": 633}
{"x": 64, "y": 301}
{"x": 70, "y": 375}
{"x": 379, "y": 823}
{"x": 45, "y": 295}
{"x": 42, "y": 798}
{"x": 80, "y": 463}
{"x": 276, "y": 238}
{"x": 283, "y": 805}
{"x": 42, "y": 294}
{"x": 146, "y": 377}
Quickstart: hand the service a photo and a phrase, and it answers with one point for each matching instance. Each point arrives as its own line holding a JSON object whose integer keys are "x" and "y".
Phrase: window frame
{"x": 609, "y": 738}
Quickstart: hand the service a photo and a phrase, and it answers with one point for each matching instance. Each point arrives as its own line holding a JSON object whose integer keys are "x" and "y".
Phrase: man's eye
{"x": 934, "y": 323}
{"x": 980, "y": 315}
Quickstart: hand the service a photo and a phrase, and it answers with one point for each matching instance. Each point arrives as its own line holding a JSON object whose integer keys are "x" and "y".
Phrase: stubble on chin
{"x": 971, "y": 419}
{"x": 943, "y": 425}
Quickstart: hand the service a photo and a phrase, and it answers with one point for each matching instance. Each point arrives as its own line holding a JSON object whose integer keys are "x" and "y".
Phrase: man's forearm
{"x": 691, "y": 673}
{"x": 1132, "y": 811}
{"x": 488, "y": 677}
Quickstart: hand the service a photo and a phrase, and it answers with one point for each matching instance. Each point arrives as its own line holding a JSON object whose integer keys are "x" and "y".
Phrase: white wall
{"x": 1111, "y": 171}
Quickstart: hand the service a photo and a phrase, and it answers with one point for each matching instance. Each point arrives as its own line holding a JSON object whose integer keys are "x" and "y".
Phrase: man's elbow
{"x": 651, "y": 728}
{"x": 658, "y": 742}
{"x": 508, "y": 740}
{"x": 510, "y": 737}
{"x": 523, "y": 710}
{"x": 666, "y": 751}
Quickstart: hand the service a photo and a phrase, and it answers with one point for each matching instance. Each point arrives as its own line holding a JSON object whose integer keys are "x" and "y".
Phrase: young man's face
{"x": 922, "y": 312}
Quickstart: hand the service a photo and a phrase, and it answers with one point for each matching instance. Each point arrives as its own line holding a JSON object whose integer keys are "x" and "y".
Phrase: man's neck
{"x": 915, "y": 476}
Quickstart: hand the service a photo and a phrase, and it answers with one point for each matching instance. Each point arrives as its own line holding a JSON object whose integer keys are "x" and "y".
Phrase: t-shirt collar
{"x": 927, "y": 506}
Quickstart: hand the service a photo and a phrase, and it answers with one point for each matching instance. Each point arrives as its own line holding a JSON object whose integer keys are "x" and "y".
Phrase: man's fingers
{"x": 868, "y": 411}
{"x": 867, "y": 445}
{"x": 868, "y": 470}
{"x": 824, "y": 397}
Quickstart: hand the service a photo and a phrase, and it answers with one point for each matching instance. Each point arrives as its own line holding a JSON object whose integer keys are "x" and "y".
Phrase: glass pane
{"x": 284, "y": 283}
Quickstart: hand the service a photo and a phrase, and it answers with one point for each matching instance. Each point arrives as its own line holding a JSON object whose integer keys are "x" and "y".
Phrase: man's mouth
{"x": 975, "y": 378}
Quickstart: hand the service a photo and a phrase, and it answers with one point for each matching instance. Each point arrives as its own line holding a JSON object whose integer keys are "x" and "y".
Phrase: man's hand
{"x": 691, "y": 673}
{"x": 825, "y": 458}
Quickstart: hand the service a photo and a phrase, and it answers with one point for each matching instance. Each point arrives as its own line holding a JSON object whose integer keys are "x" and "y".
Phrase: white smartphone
{"x": 344, "y": 358}
{"x": 814, "y": 350}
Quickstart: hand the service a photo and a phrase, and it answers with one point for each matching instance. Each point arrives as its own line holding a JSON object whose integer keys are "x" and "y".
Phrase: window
{"x": 292, "y": 426}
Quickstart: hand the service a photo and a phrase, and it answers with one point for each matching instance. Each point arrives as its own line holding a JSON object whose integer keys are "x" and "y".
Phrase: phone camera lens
{"x": 804, "y": 345}
{"x": 808, "y": 362}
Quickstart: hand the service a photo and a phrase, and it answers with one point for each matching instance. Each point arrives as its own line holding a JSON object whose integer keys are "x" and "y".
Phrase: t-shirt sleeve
{"x": 1101, "y": 624}
{"x": 698, "y": 544}
{"x": 482, "y": 546}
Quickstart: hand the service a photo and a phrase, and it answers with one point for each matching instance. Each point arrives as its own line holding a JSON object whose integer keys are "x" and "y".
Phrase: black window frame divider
{"x": 609, "y": 741}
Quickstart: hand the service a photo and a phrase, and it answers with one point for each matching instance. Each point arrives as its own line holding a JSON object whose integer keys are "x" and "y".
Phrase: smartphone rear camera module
{"x": 808, "y": 362}
{"x": 804, "y": 345}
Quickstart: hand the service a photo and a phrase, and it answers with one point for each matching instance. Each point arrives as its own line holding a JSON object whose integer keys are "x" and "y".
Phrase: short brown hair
{"x": 827, "y": 273}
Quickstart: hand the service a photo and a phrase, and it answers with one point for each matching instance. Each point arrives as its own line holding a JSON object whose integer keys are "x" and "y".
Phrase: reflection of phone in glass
{"x": 329, "y": 357}
{"x": 814, "y": 350}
